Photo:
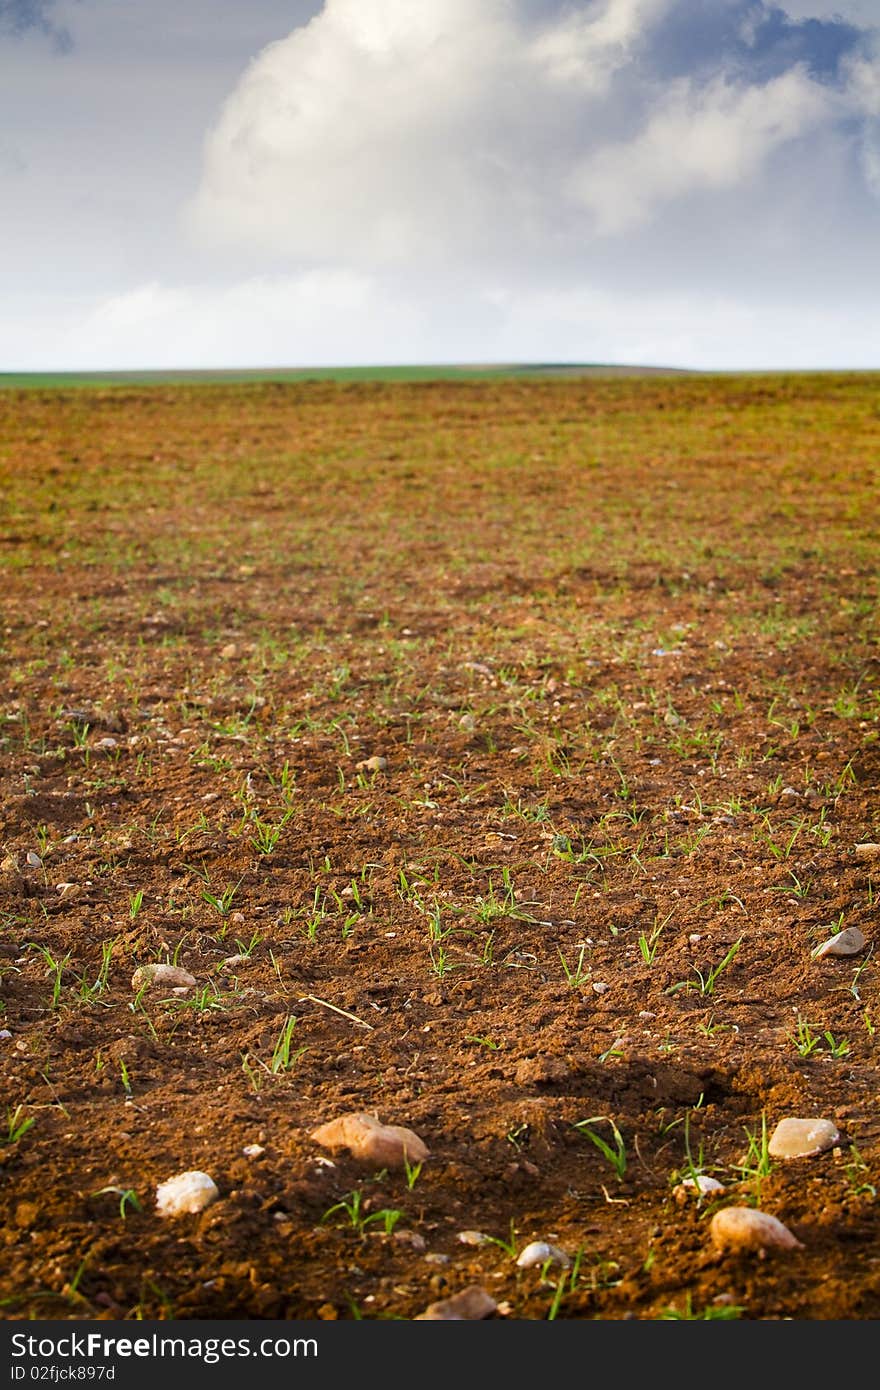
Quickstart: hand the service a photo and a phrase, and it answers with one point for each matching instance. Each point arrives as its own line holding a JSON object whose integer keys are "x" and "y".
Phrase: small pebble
{"x": 539, "y": 1252}
{"x": 33, "y": 860}
{"x": 253, "y": 1150}
{"x": 374, "y": 764}
{"x": 412, "y": 1239}
{"x": 472, "y": 1238}
{"x": 701, "y": 1184}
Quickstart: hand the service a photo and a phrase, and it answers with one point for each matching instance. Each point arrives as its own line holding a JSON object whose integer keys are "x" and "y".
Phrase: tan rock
{"x": 744, "y": 1228}
{"x": 470, "y": 1305}
{"x": 162, "y": 976}
{"x": 389, "y": 1146}
{"x": 794, "y": 1138}
{"x": 844, "y": 943}
{"x": 869, "y": 850}
{"x": 374, "y": 764}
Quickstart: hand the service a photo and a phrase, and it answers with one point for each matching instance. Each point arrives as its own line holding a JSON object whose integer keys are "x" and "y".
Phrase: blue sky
{"x": 211, "y": 184}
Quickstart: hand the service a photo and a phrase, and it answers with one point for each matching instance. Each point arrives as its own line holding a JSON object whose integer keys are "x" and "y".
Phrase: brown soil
{"x": 615, "y": 642}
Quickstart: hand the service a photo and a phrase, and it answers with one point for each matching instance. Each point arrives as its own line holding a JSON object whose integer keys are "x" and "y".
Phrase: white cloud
{"x": 460, "y": 136}
{"x": 385, "y": 130}
{"x": 712, "y": 137}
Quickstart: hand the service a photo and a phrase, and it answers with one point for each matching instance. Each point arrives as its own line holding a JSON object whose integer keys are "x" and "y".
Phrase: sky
{"x": 296, "y": 183}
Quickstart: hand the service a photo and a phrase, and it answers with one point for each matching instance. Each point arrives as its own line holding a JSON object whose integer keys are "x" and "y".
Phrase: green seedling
{"x": 807, "y": 1042}
{"x": 89, "y": 992}
{"x": 127, "y": 1198}
{"x": 354, "y": 1207}
{"x": 757, "y": 1163}
{"x": 135, "y": 903}
{"x": 55, "y": 971}
{"x": 266, "y": 835}
{"x": 705, "y": 984}
{"x": 413, "y": 1170}
{"x": 509, "y": 1246}
{"x": 576, "y": 976}
{"x": 616, "y": 1153}
{"x": 251, "y": 1072}
{"x": 648, "y": 943}
{"x": 440, "y": 962}
{"x": 804, "y": 1039}
{"x": 17, "y": 1125}
{"x": 837, "y": 1048}
{"x": 246, "y": 949}
{"x": 283, "y": 1057}
{"x": 722, "y": 1312}
{"x": 222, "y": 903}
{"x": 855, "y": 1169}
{"x": 565, "y": 1285}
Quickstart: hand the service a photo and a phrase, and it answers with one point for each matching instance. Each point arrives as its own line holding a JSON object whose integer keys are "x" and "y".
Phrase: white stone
{"x": 844, "y": 943}
{"x": 793, "y": 1138}
{"x": 186, "y": 1193}
{"x": 701, "y": 1184}
{"x": 539, "y": 1252}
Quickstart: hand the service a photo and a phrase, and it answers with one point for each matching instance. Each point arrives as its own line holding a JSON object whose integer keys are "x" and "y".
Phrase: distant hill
{"x": 428, "y": 372}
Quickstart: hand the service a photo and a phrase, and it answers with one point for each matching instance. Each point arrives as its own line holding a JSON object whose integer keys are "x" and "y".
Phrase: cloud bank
{"x": 475, "y": 136}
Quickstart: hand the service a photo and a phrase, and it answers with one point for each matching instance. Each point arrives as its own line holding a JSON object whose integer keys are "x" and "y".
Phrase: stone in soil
{"x": 795, "y": 1138}
{"x": 744, "y": 1228}
{"x": 391, "y": 1146}
{"x": 470, "y": 1305}
{"x": 844, "y": 943}
{"x": 538, "y": 1252}
{"x": 186, "y": 1193}
{"x": 166, "y": 976}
